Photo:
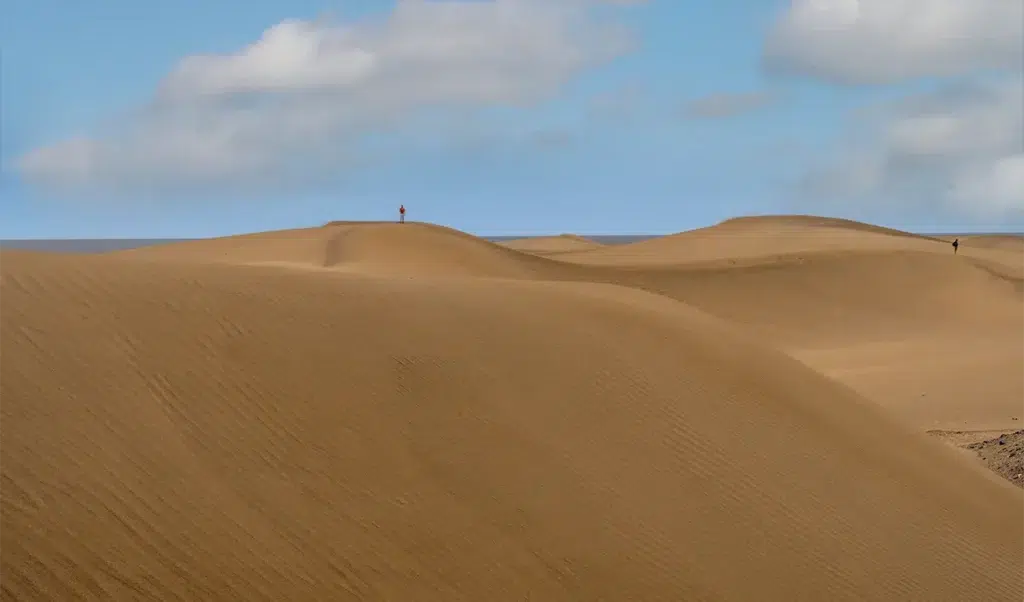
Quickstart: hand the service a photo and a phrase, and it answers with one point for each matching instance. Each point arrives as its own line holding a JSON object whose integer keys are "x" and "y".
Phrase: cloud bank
{"x": 885, "y": 41}
{"x": 958, "y": 146}
{"x": 961, "y": 146}
{"x": 305, "y": 98}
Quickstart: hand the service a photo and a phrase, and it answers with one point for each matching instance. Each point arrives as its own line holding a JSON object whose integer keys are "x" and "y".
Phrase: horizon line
{"x": 501, "y": 236}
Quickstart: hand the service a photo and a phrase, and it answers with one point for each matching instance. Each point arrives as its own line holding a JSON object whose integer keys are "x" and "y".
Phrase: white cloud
{"x": 292, "y": 55}
{"x": 301, "y": 98}
{"x": 958, "y": 148}
{"x": 881, "y": 41}
{"x": 1000, "y": 183}
{"x": 961, "y": 147}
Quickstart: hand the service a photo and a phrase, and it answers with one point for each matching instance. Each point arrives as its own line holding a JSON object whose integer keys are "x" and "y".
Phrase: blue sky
{"x": 140, "y": 119}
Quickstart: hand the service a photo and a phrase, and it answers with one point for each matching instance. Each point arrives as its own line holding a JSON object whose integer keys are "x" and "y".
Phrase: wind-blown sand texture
{"x": 408, "y": 412}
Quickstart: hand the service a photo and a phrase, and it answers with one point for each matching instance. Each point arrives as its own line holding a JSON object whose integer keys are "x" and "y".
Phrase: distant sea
{"x": 101, "y": 245}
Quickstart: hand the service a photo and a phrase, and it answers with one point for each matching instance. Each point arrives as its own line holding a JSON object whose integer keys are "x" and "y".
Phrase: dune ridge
{"x": 382, "y": 411}
{"x": 371, "y": 247}
{"x": 815, "y": 221}
{"x": 760, "y": 237}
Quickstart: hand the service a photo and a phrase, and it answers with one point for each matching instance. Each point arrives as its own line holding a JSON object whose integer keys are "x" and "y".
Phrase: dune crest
{"x": 813, "y": 221}
{"x": 426, "y": 249}
{"x": 372, "y": 247}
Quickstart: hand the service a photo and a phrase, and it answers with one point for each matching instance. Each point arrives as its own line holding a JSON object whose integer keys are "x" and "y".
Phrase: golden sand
{"x": 407, "y": 412}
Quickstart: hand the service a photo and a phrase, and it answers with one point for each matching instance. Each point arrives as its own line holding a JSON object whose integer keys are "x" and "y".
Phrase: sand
{"x": 407, "y": 412}
{"x": 553, "y": 245}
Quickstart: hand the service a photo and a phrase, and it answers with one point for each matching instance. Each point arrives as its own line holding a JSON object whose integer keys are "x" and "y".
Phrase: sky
{"x": 507, "y": 117}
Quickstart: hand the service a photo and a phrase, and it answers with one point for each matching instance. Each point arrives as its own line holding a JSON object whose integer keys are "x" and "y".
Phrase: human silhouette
{"x": 956, "y": 245}
{"x": 401, "y": 214}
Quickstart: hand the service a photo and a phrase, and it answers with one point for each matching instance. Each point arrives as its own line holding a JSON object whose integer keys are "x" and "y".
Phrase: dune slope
{"x": 181, "y": 430}
{"x": 933, "y": 337}
{"x": 829, "y": 296}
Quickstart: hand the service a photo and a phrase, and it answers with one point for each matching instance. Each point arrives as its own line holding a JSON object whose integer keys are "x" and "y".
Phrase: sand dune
{"x": 548, "y": 245}
{"x": 424, "y": 250}
{"x": 838, "y": 296}
{"x": 373, "y": 247}
{"x": 814, "y": 221}
{"x": 376, "y": 411}
{"x": 756, "y": 238}
{"x": 898, "y": 317}
{"x": 920, "y": 333}
{"x": 1006, "y": 242}
{"x": 299, "y": 247}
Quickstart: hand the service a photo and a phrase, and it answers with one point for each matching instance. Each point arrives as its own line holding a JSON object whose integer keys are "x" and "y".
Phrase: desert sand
{"x": 553, "y": 245}
{"x": 408, "y": 412}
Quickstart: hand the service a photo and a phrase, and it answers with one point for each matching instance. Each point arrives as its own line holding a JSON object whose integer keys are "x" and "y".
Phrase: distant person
{"x": 956, "y": 245}
{"x": 401, "y": 214}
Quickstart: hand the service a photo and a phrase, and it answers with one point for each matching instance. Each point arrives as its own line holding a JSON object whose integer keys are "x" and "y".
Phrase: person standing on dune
{"x": 956, "y": 245}
{"x": 401, "y": 214}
